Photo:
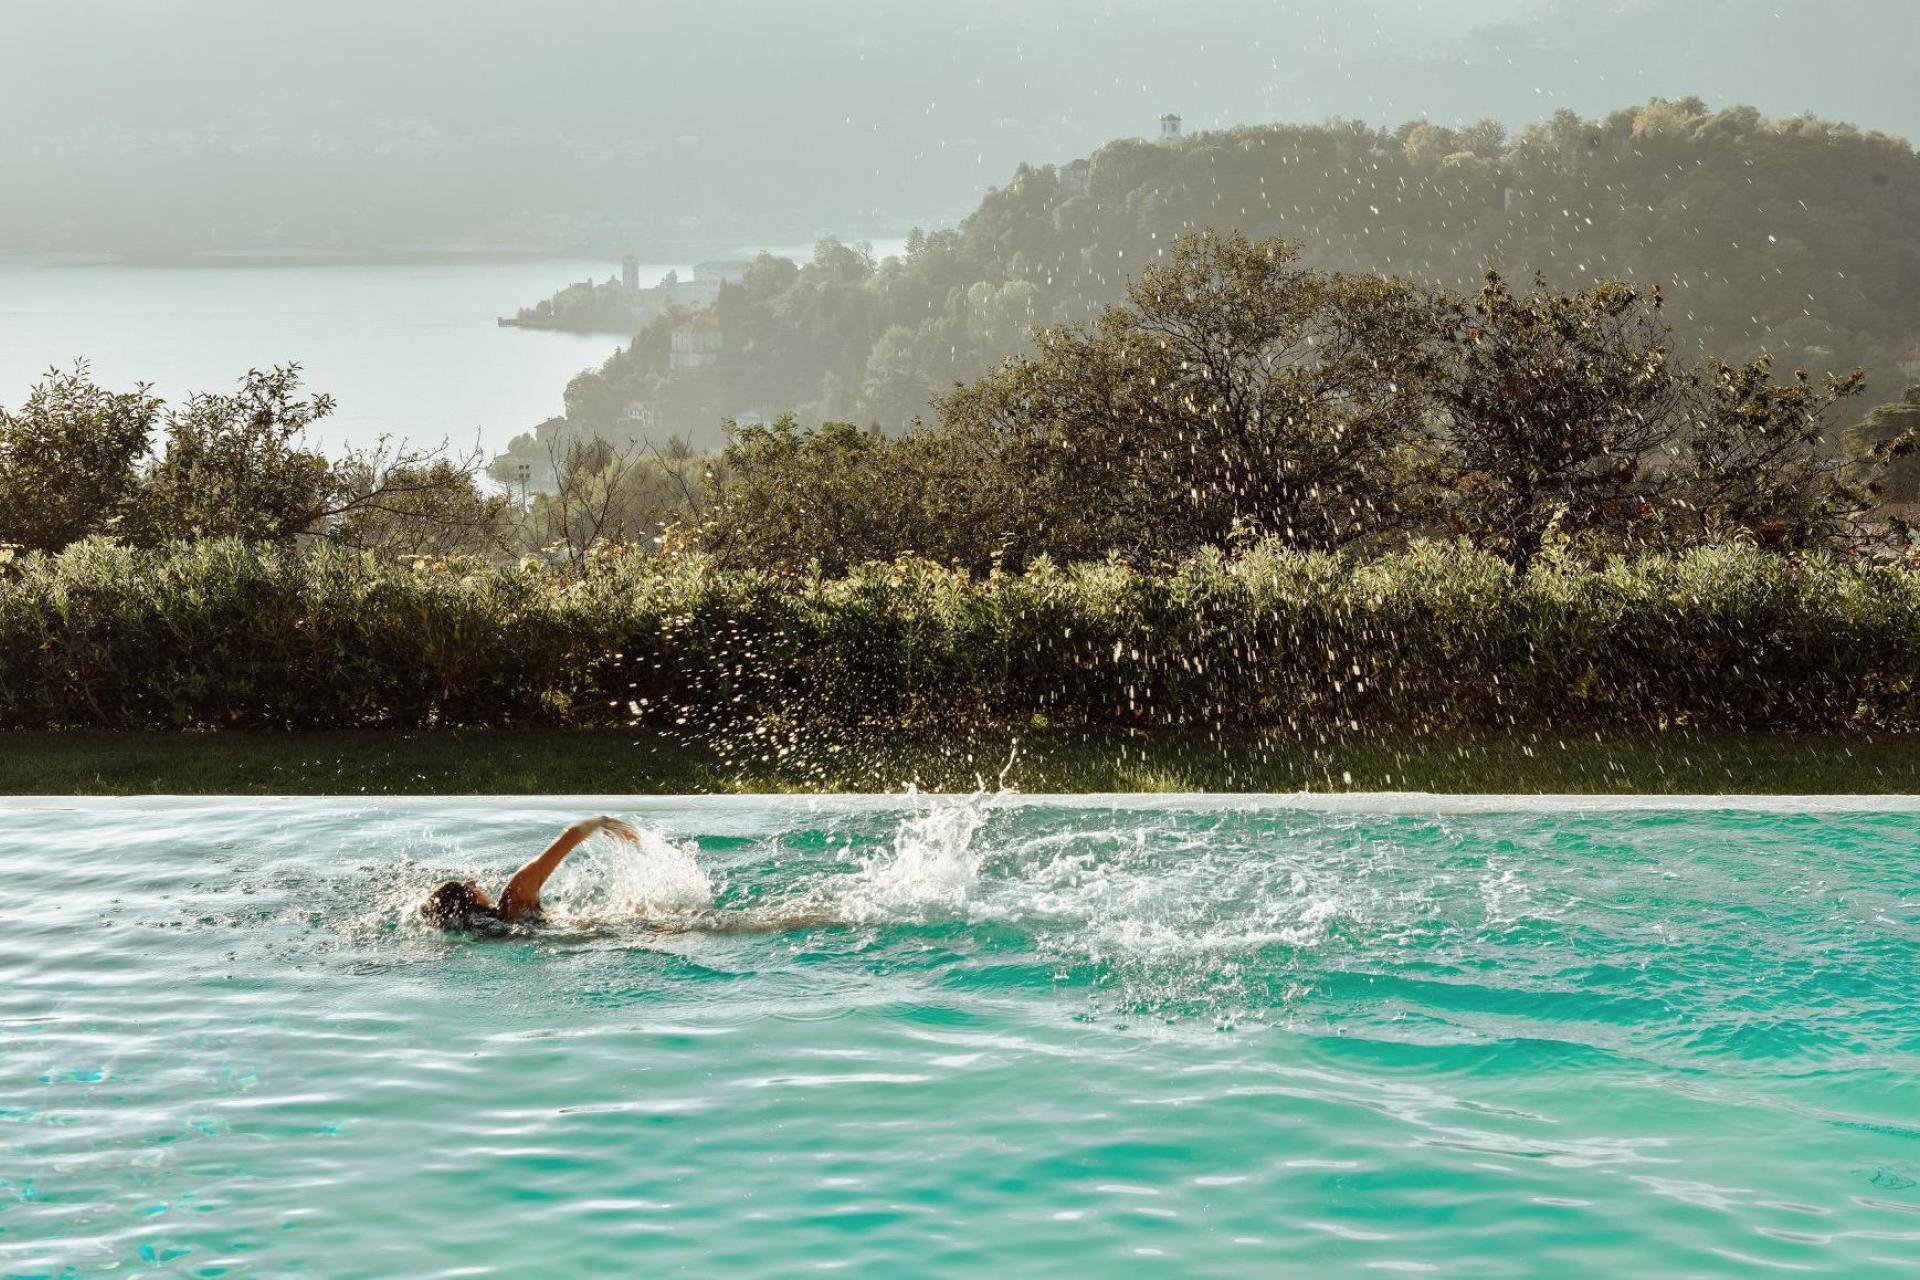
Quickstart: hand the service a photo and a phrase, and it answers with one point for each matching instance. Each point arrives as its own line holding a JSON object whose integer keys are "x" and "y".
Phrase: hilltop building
{"x": 697, "y": 343}
{"x": 1172, "y": 128}
{"x": 730, "y": 270}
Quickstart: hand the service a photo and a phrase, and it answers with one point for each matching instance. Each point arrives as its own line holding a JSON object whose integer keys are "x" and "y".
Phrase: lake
{"x": 1042, "y": 1037}
{"x": 410, "y": 350}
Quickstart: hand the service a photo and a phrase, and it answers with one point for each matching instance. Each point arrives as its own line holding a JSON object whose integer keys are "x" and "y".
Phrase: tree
{"x": 1755, "y": 459}
{"x": 1554, "y": 405}
{"x": 1890, "y": 431}
{"x": 69, "y": 459}
{"x": 607, "y": 496}
{"x": 1236, "y": 394}
{"x": 1571, "y": 413}
{"x": 836, "y": 497}
{"x": 1485, "y": 138}
{"x": 237, "y": 466}
{"x": 1427, "y": 144}
{"x": 1790, "y": 237}
{"x": 897, "y": 389}
{"x": 419, "y": 509}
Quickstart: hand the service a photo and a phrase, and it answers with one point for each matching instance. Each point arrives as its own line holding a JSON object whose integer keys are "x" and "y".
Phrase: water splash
{"x": 608, "y": 880}
{"x": 933, "y": 866}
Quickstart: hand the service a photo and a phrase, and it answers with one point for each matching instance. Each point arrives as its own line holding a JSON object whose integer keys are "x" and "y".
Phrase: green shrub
{"x": 225, "y": 634}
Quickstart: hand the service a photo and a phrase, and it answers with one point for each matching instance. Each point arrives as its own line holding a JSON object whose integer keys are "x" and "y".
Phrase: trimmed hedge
{"x": 229, "y": 635}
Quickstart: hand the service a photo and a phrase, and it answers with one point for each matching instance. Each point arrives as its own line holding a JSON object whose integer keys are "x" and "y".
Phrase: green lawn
{"x": 630, "y": 762}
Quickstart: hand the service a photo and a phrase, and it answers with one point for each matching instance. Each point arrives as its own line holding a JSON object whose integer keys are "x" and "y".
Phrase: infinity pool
{"x": 1106, "y": 1036}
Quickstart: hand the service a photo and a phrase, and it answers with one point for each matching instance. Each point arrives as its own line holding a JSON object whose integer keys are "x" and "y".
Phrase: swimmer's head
{"x": 456, "y": 904}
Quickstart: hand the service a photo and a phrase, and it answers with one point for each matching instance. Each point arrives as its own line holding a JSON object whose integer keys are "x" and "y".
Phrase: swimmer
{"x": 461, "y": 904}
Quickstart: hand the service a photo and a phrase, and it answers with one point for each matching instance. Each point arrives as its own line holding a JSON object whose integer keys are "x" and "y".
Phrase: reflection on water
{"x": 1045, "y": 1036}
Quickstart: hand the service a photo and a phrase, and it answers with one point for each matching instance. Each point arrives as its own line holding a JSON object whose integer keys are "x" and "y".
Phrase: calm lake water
{"x": 409, "y": 351}
{"x": 1106, "y": 1036}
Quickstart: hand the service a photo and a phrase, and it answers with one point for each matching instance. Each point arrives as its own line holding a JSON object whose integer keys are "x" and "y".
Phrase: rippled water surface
{"x": 910, "y": 1037}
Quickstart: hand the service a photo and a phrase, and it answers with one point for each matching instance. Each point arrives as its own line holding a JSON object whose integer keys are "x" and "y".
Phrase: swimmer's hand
{"x": 611, "y": 826}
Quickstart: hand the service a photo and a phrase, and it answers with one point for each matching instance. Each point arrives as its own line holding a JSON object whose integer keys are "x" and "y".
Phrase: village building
{"x": 697, "y": 343}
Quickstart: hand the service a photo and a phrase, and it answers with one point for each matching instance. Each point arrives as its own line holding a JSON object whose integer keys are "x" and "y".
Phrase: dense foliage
{"x": 79, "y": 461}
{"x": 1236, "y": 396}
{"x": 220, "y": 634}
{"x": 1789, "y": 238}
{"x": 1239, "y": 396}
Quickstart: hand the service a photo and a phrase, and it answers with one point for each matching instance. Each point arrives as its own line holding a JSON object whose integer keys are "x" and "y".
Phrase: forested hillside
{"x": 1791, "y": 237}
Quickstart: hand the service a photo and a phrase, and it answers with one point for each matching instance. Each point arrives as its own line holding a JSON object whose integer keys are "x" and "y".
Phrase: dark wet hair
{"x": 454, "y": 905}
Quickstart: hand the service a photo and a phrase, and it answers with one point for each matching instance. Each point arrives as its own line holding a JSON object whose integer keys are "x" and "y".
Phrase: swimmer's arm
{"x": 749, "y": 922}
{"x": 780, "y": 924}
{"x": 522, "y": 894}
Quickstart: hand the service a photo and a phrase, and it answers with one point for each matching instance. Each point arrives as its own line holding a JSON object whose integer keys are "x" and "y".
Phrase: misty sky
{"x": 585, "y": 124}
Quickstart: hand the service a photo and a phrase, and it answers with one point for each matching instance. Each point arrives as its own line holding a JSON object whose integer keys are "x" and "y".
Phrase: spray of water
{"x": 1173, "y": 916}
{"x": 608, "y": 880}
{"x": 932, "y": 867}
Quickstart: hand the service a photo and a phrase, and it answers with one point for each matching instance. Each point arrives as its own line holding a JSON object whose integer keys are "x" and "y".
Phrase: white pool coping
{"x": 1376, "y": 802}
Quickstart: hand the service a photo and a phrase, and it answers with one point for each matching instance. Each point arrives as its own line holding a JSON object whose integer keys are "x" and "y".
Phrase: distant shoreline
{"x": 561, "y": 326}
{"x": 247, "y": 259}
{"x": 655, "y": 253}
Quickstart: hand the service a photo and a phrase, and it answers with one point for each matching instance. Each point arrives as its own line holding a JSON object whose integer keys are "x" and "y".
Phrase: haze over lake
{"x": 408, "y": 350}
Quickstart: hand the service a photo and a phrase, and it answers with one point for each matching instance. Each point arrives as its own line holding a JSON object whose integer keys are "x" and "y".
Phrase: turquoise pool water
{"x": 1117, "y": 1037}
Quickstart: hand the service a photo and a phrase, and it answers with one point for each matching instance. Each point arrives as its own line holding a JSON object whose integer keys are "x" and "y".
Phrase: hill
{"x": 1788, "y": 237}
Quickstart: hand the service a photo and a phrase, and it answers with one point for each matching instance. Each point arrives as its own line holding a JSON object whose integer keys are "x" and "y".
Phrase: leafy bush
{"x": 228, "y": 634}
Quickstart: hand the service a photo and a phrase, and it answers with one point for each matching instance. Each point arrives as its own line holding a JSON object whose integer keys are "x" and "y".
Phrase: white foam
{"x": 1102, "y": 891}
{"x": 932, "y": 866}
{"x": 608, "y": 879}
